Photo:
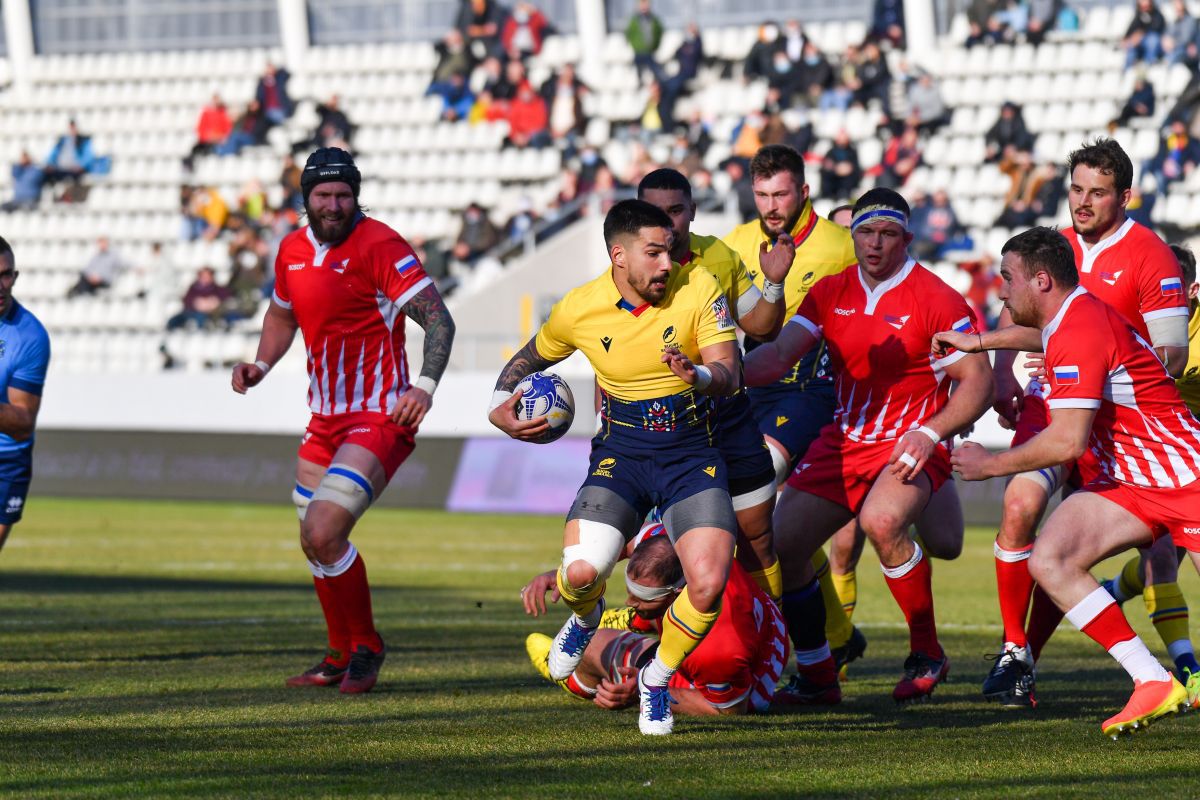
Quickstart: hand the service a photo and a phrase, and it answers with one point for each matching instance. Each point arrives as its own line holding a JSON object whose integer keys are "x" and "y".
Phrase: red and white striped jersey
{"x": 1143, "y": 434}
{"x": 1133, "y": 271}
{"x": 347, "y": 300}
{"x": 887, "y": 380}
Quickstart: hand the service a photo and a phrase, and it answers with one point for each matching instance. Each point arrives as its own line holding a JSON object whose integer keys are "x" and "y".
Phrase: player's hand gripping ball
{"x": 544, "y": 394}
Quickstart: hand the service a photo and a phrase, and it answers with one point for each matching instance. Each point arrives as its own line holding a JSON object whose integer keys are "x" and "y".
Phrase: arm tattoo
{"x": 526, "y": 360}
{"x": 427, "y": 309}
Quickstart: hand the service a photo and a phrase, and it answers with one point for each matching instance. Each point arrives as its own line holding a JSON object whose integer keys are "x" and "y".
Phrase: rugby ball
{"x": 544, "y": 394}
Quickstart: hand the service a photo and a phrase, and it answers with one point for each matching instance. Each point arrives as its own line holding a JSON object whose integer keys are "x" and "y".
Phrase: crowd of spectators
{"x": 70, "y": 160}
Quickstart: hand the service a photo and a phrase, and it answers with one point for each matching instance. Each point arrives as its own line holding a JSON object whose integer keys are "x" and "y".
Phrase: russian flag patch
{"x": 406, "y": 265}
{"x": 1066, "y": 376}
{"x": 963, "y": 325}
{"x": 1171, "y": 287}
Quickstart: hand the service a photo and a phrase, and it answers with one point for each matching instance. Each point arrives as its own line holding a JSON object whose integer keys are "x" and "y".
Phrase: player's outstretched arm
{"x": 717, "y": 373}
{"x": 1063, "y": 440}
{"x": 427, "y": 309}
{"x": 19, "y": 415}
{"x": 279, "y": 329}
{"x": 770, "y": 362}
{"x": 503, "y": 412}
{"x": 971, "y": 397}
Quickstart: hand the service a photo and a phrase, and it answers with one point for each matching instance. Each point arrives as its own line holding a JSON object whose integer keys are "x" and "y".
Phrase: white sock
{"x": 656, "y": 673}
{"x": 1138, "y": 661}
{"x": 806, "y": 657}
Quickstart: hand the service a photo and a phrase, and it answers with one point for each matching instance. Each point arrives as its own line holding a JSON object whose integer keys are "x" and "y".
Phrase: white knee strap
{"x": 301, "y": 497}
{"x": 599, "y": 545}
{"x": 1049, "y": 478}
{"x": 781, "y": 463}
{"x": 346, "y": 487}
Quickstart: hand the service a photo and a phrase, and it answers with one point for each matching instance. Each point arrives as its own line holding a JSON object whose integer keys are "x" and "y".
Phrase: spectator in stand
{"x": 71, "y": 158}
{"x": 814, "y": 75}
{"x": 333, "y": 128}
{"x": 202, "y": 303}
{"x": 204, "y": 212}
{"x": 528, "y": 119}
{"x": 1178, "y": 154}
{"x": 983, "y": 22}
{"x": 100, "y": 272}
{"x": 563, "y": 94}
{"x": 742, "y": 187}
{"x": 481, "y": 22}
{"x": 698, "y": 134}
{"x": 935, "y": 227}
{"x": 887, "y": 23}
{"x": 655, "y": 117}
{"x": 845, "y": 79}
{"x": 840, "y": 170}
{"x": 289, "y": 180}
{"x": 1139, "y": 104}
{"x": 454, "y": 58}
{"x": 457, "y": 99}
{"x": 682, "y": 157}
{"x": 901, "y": 156}
{"x": 251, "y": 205}
{"x": 688, "y": 56}
{"x": 519, "y": 226}
{"x": 247, "y": 276}
{"x": 644, "y": 34}
{"x": 782, "y": 77}
{"x": 1043, "y": 16}
{"x": 872, "y": 77}
{"x": 927, "y": 108}
{"x": 506, "y": 88}
{"x": 250, "y": 129}
{"x": 523, "y": 31}
{"x": 842, "y": 215}
{"x": 800, "y": 134}
{"x": 1179, "y": 40}
{"x": 212, "y": 128}
{"x": 762, "y": 52}
{"x": 27, "y": 184}
{"x": 1007, "y": 135}
{"x": 1035, "y": 191}
{"x": 1014, "y": 20}
{"x": 747, "y": 138}
{"x": 435, "y": 258}
{"x": 477, "y": 236}
{"x": 1140, "y": 206}
{"x": 272, "y": 95}
{"x": 1143, "y": 37}
{"x": 793, "y": 40}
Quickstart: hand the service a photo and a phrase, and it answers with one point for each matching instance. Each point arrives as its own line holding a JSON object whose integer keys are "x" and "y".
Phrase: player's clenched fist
{"x": 970, "y": 460}
{"x": 945, "y": 341}
{"x": 246, "y": 376}
{"x": 504, "y": 416}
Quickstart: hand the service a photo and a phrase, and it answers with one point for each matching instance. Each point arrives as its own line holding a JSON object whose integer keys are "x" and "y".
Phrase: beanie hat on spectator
{"x": 328, "y": 165}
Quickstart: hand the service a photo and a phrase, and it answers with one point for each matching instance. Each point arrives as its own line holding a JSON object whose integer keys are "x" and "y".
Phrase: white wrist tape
{"x": 933, "y": 435}
{"x": 499, "y": 399}
{"x": 264, "y": 366}
{"x": 703, "y": 377}
{"x": 426, "y": 384}
{"x": 771, "y": 291}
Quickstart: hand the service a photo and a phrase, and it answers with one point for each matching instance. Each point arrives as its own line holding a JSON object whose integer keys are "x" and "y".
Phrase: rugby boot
{"x": 1150, "y": 701}
{"x": 654, "y": 708}
{"x": 802, "y": 690}
{"x": 325, "y": 673}
{"x": 852, "y": 650}
{"x": 1011, "y": 679}
{"x": 363, "y": 671}
{"x": 922, "y": 673}
{"x": 567, "y": 650}
{"x": 1191, "y": 682}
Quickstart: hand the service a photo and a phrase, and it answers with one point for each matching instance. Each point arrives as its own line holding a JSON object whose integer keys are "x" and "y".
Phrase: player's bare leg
{"x": 803, "y": 522}
{"x": 582, "y": 579}
{"x": 940, "y": 524}
{"x": 1084, "y": 530}
{"x": 756, "y": 546}
{"x": 4, "y": 529}
{"x": 890, "y": 507}
{"x": 340, "y": 498}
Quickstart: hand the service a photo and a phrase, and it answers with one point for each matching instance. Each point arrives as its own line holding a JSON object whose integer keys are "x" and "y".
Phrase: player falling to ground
{"x": 883, "y": 455}
{"x": 660, "y": 343}
{"x": 751, "y": 475}
{"x": 348, "y": 282}
{"x": 1108, "y": 393}
{"x": 1127, "y": 266}
{"x": 733, "y": 671}
{"x": 24, "y": 359}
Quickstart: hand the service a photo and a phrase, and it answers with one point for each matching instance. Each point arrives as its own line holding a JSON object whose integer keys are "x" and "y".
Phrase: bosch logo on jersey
{"x": 294, "y": 267}
{"x": 844, "y": 312}
{"x": 1192, "y": 531}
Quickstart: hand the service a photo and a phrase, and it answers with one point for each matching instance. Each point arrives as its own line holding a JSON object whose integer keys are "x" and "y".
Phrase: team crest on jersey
{"x": 1066, "y": 376}
{"x": 340, "y": 266}
{"x": 1111, "y": 278}
{"x": 808, "y": 279}
{"x": 1171, "y": 287}
{"x": 604, "y": 468}
{"x": 669, "y": 335}
{"x": 720, "y": 309}
{"x": 896, "y": 322}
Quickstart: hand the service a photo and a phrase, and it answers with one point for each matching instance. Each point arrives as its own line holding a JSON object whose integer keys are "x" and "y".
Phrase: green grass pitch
{"x": 143, "y": 648}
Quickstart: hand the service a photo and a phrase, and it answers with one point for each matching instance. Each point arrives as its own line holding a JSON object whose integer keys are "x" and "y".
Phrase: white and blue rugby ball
{"x": 544, "y": 394}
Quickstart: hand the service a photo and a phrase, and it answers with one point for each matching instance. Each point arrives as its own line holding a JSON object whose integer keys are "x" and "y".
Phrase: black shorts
{"x": 792, "y": 415}
{"x": 741, "y": 445}
{"x": 648, "y": 478}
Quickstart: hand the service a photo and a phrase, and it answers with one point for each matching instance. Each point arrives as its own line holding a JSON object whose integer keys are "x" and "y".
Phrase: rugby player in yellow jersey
{"x": 1171, "y": 618}
{"x": 759, "y": 314}
{"x": 661, "y": 342}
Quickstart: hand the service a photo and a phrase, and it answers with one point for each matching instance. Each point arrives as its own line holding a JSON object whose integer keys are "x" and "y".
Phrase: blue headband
{"x": 871, "y": 213}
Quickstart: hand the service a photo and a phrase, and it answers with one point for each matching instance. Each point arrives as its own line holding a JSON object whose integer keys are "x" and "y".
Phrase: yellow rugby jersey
{"x": 720, "y": 260}
{"x": 1189, "y": 383}
{"x": 625, "y": 344}
{"x": 822, "y": 248}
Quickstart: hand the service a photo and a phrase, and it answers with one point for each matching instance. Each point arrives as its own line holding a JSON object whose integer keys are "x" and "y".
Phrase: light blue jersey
{"x": 24, "y": 357}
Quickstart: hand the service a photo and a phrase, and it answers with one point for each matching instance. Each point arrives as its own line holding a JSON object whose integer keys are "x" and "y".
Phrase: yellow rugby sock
{"x": 1130, "y": 582}
{"x": 770, "y": 580}
{"x": 837, "y": 624}
{"x": 581, "y": 601}
{"x": 846, "y": 586}
{"x": 683, "y": 629}
{"x": 1168, "y": 611}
